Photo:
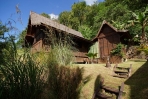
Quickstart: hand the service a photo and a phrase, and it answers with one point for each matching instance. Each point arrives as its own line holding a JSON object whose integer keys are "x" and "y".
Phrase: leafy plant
{"x": 91, "y": 56}
{"x": 142, "y": 19}
{"x": 144, "y": 48}
{"x": 118, "y": 50}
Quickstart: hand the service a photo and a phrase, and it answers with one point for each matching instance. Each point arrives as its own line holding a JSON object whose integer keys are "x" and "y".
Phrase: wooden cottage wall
{"x": 37, "y": 47}
{"x": 81, "y": 50}
{"x": 39, "y": 43}
{"x": 108, "y": 39}
{"x": 38, "y": 39}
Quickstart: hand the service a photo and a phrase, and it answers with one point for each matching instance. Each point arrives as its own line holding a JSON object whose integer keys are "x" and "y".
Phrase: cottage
{"x": 39, "y": 27}
{"x": 108, "y": 37}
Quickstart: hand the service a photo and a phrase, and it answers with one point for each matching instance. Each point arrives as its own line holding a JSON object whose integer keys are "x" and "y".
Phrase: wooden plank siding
{"x": 37, "y": 47}
{"x": 107, "y": 43}
{"x": 108, "y": 37}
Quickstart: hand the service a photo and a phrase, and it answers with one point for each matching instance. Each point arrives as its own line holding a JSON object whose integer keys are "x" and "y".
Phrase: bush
{"x": 118, "y": 51}
{"x": 143, "y": 48}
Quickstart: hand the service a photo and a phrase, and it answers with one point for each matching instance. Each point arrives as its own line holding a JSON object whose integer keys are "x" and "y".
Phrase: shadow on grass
{"x": 138, "y": 83}
{"x": 97, "y": 85}
{"x": 139, "y": 60}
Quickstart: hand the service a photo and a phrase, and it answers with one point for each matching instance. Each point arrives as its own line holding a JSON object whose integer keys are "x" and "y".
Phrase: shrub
{"x": 118, "y": 51}
{"x": 144, "y": 48}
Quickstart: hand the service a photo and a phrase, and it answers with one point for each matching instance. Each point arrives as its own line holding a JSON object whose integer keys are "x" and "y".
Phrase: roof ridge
{"x": 105, "y": 22}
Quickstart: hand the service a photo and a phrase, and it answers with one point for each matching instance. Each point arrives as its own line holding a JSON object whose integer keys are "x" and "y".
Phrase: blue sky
{"x": 51, "y": 7}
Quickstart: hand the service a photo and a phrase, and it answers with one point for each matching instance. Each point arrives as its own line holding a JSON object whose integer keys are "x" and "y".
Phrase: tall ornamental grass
{"x": 61, "y": 46}
{"x": 20, "y": 76}
{"x": 64, "y": 82}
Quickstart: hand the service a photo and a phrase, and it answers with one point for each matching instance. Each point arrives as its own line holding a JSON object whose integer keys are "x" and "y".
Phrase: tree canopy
{"x": 88, "y": 19}
{"x": 21, "y": 39}
{"x": 45, "y": 15}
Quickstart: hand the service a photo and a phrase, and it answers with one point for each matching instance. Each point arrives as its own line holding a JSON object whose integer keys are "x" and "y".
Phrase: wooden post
{"x": 121, "y": 89}
{"x": 108, "y": 63}
{"x": 130, "y": 70}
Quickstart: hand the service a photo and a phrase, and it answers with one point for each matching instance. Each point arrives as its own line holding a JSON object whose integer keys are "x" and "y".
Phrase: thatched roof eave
{"x": 37, "y": 19}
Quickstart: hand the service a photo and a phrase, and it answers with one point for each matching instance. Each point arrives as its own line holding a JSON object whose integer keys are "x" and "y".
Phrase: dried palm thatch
{"x": 37, "y": 19}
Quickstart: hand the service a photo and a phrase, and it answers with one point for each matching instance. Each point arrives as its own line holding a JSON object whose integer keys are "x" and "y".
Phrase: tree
{"x": 68, "y": 19}
{"x": 3, "y": 43}
{"x": 21, "y": 39}
{"x": 3, "y": 29}
{"x": 79, "y": 10}
{"x": 45, "y": 15}
{"x": 142, "y": 19}
{"x": 86, "y": 31}
{"x": 86, "y": 18}
{"x": 64, "y": 18}
{"x": 118, "y": 25}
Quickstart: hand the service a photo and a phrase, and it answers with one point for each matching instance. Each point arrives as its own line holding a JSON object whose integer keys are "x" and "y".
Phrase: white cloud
{"x": 90, "y": 2}
{"x": 53, "y": 16}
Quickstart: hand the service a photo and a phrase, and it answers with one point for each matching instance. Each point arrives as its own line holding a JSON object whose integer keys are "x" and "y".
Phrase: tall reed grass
{"x": 64, "y": 81}
{"x": 21, "y": 76}
{"x": 61, "y": 45}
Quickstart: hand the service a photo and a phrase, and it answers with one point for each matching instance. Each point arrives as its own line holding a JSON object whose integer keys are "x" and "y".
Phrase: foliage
{"x": 45, "y": 15}
{"x": 3, "y": 29}
{"x": 3, "y": 41}
{"x": 64, "y": 81}
{"x": 86, "y": 31}
{"x": 79, "y": 10}
{"x": 63, "y": 54}
{"x": 143, "y": 48}
{"x": 142, "y": 19}
{"x": 91, "y": 55}
{"x": 21, "y": 39}
{"x": 60, "y": 46}
{"x": 20, "y": 76}
{"x": 136, "y": 5}
{"x": 87, "y": 19}
{"x": 95, "y": 49}
{"x": 118, "y": 25}
{"x": 64, "y": 18}
{"x": 118, "y": 50}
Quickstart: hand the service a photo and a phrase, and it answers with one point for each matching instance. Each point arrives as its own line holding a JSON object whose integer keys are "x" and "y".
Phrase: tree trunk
{"x": 143, "y": 33}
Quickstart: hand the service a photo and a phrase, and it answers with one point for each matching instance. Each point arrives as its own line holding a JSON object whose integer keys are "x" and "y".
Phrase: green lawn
{"x": 136, "y": 87}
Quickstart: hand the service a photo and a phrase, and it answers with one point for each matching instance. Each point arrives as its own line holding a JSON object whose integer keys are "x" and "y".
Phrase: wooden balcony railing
{"x": 80, "y": 54}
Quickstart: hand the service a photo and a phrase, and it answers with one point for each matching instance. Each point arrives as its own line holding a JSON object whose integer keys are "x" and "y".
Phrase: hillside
{"x": 136, "y": 86}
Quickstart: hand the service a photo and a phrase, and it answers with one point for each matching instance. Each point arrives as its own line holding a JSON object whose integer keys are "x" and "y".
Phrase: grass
{"x": 136, "y": 86}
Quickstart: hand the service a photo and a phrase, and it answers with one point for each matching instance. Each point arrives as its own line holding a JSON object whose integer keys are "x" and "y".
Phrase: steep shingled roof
{"x": 37, "y": 19}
